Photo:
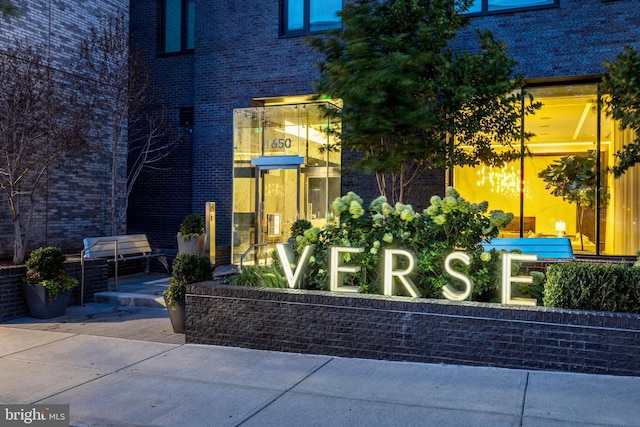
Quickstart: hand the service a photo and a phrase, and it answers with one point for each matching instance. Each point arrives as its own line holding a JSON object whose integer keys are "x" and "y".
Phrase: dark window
{"x": 494, "y": 6}
{"x": 178, "y": 25}
{"x": 186, "y": 117}
{"x": 310, "y": 16}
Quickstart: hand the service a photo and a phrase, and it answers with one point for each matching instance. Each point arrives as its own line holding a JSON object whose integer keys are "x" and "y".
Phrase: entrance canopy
{"x": 277, "y": 162}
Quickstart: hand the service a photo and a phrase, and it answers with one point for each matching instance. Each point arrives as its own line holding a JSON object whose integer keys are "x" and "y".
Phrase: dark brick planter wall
{"x": 394, "y": 328}
{"x": 12, "y": 302}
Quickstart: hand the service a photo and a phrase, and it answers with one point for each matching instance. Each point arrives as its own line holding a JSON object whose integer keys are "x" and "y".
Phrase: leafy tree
{"x": 622, "y": 84}
{"x": 42, "y": 121}
{"x": 411, "y": 102}
{"x": 132, "y": 117}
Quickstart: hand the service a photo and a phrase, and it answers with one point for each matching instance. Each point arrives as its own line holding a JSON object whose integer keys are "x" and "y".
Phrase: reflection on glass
{"x": 191, "y": 23}
{"x": 295, "y": 15}
{"x": 172, "y": 26}
{"x": 323, "y": 14}
{"x": 510, "y": 4}
{"x": 475, "y": 7}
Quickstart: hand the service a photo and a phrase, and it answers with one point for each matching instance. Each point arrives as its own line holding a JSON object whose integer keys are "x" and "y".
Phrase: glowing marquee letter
{"x": 390, "y": 261}
{"x": 288, "y": 259}
{"x": 449, "y": 292}
{"x": 507, "y": 279}
{"x": 336, "y": 267}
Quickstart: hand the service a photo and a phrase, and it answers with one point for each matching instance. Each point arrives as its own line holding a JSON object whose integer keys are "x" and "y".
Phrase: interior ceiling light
{"x": 585, "y": 113}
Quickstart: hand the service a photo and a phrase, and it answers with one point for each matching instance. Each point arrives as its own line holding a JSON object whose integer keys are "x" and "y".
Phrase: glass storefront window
{"x": 559, "y": 177}
{"x": 285, "y": 168}
{"x": 565, "y": 134}
{"x": 622, "y": 228}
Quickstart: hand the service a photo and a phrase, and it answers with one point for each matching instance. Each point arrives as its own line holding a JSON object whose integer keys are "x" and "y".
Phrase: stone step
{"x": 127, "y": 299}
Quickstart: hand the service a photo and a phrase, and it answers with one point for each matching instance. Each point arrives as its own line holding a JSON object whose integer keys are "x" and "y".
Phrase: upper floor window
{"x": 178, "y": 25}
{"x": 488, "y": 6}
{"x": 308, "y": 16}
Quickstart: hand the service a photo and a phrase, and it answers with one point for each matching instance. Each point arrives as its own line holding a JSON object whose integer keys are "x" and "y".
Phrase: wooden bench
{"x": 118, "y": 248}
{"x": 544, "y": 247}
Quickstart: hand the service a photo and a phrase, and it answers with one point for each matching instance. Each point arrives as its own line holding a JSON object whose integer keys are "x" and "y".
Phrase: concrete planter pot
{"x": 176, "y": 314}
{"x": 192, "y": 245}
{"x": 40, "y": 307}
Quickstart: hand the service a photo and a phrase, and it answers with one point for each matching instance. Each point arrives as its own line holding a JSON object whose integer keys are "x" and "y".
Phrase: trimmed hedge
{"x": 585, "y": 286}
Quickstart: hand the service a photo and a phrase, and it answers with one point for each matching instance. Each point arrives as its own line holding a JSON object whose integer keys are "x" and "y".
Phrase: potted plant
{"x": 187, "y": 268}
{"x": 47, "y": 287}
{"x": 191, "y": 236}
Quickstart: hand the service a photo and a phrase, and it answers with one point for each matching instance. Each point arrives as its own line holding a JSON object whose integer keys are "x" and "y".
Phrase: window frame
{"x": 184, "y": 29}
{"x": 485, "y": 8}
{"x": 284, "y": 20}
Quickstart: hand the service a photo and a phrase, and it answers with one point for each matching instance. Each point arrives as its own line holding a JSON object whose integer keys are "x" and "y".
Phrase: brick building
{"x": 238, "y": 80}
{"x": 241, "y": 69}
{"x": 73, "y": 201}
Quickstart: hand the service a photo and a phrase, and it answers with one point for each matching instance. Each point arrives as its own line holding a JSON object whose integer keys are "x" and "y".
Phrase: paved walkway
{"x": 136, "y": 312}
{"x": 109, "y": 379}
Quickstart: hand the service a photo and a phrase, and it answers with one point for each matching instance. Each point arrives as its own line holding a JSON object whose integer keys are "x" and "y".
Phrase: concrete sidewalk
{"x": 119, "y": 382}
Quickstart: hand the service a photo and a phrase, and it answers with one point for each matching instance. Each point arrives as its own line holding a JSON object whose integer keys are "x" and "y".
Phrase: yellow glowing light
{"x": 503, "y": 180}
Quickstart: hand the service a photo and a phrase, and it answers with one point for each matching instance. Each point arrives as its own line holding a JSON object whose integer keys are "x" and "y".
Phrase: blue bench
{"x": 558, "y": 248}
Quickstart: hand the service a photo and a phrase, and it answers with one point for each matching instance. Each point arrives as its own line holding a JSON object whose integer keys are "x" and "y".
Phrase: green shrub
{"x": 47, "y": 262}
{"x": 192, "y": 268}
{"x": 187, "y": 268}
{"x": 192, "y": 226}
{"x": 45, "y": 266}
{"x": 266, "y": 277}
{"x": 448, "y": 224}
{"x": 586, "y": 286}
{"x": 299, "y": 227}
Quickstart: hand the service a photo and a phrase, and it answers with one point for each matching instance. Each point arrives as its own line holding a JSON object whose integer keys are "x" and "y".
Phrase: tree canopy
{"x": 7, "y": 8}
{"x": 621, "y": 83}
{"x": 411, "y": 101}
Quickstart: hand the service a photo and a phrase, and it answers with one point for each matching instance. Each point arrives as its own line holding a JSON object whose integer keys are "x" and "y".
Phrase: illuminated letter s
{"x": 449, "y": 292}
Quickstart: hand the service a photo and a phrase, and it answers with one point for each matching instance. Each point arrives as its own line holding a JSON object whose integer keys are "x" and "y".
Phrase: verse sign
{"x": 392, "y": 276}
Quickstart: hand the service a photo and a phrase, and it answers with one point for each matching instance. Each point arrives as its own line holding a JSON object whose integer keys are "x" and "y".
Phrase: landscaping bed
{"x": 416, "y": 330}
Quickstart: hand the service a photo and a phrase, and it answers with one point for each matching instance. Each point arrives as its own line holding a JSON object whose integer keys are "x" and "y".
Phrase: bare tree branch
{"x": 41, "y": 120}
{"x": 137, "y": 121}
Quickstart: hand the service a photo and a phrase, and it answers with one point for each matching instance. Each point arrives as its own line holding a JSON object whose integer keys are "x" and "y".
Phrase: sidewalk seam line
{"x": 106, "y": 374}
{"x": 266, "y": 405}
{"x": 524, "y": 399}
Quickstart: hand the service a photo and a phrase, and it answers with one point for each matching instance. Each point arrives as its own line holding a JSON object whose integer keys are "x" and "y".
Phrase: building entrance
{"x": 277, "y": 197}
{"x": 286, "y": 168}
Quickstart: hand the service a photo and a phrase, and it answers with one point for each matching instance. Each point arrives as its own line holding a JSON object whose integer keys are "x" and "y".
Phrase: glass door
{"x": 279, "y": 207}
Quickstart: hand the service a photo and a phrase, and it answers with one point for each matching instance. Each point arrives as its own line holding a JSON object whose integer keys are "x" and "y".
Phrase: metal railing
{"x": 257, "y": 249}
